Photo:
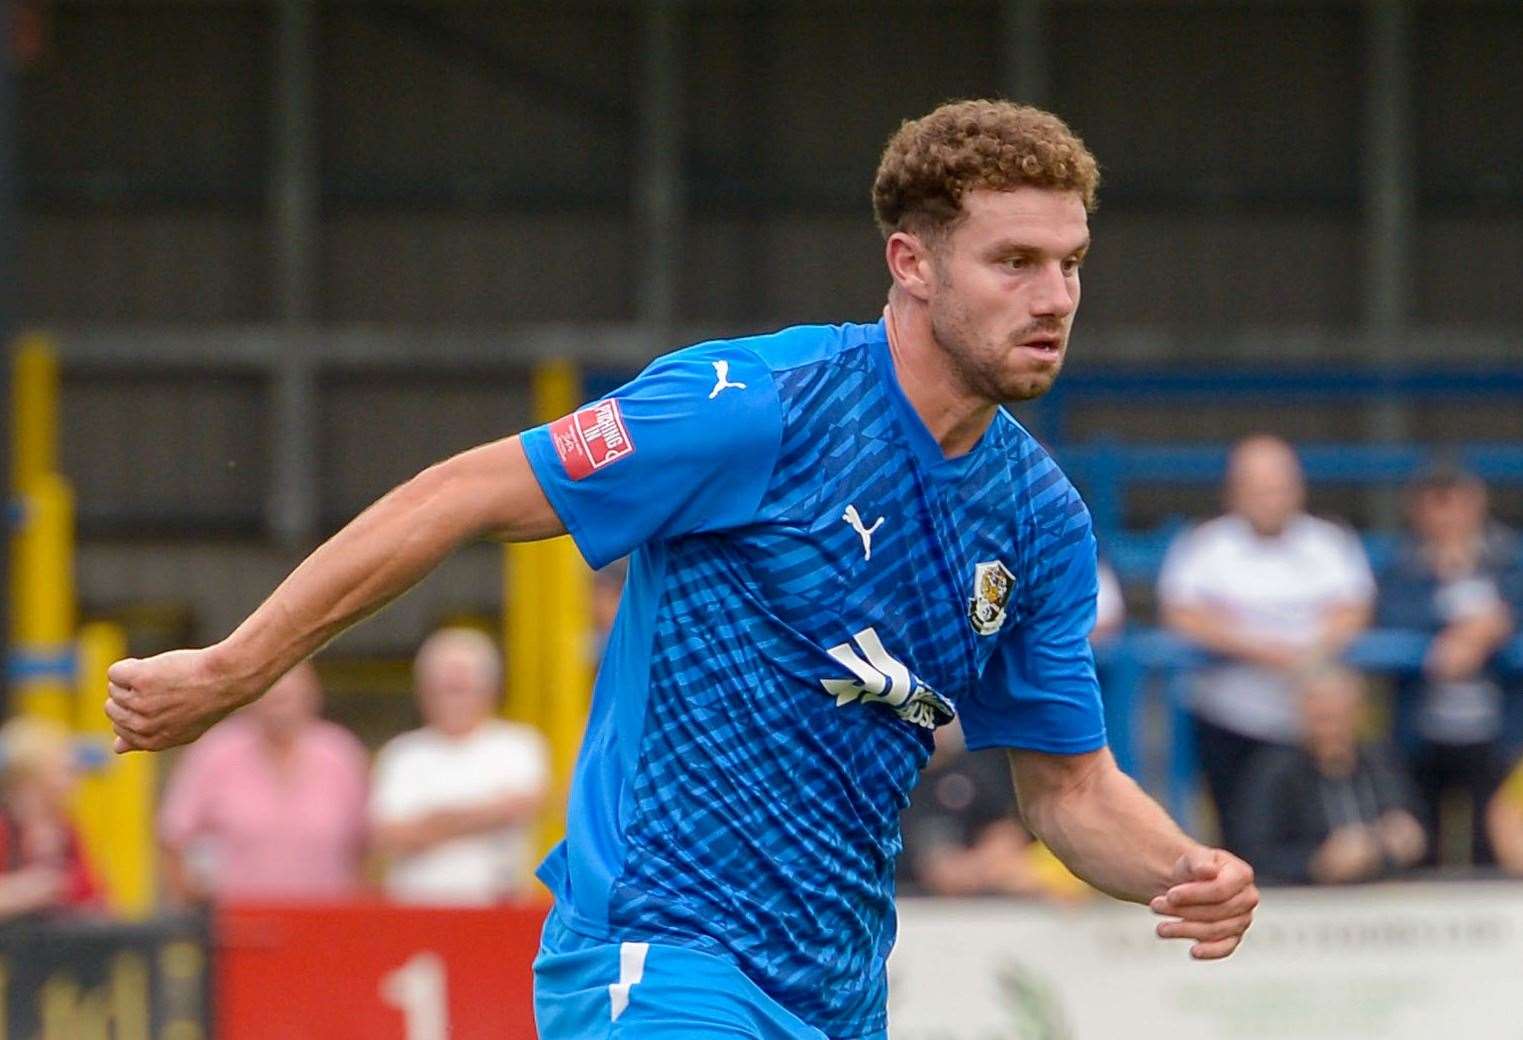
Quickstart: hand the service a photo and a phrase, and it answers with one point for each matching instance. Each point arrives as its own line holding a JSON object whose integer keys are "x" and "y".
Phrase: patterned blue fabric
{"x": 813, "y": 587}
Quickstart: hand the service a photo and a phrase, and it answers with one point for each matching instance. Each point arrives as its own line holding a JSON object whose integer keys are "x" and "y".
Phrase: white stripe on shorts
{"x": 631, "y": 971}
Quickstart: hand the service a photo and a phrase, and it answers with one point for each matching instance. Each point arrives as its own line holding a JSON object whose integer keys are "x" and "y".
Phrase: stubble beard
{"x": 979, "y": 368}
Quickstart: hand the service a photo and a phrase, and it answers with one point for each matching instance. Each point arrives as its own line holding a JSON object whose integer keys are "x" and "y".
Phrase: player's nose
{"x": 1052, "y": 296}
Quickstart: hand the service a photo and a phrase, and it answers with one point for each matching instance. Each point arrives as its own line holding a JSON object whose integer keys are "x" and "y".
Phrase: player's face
{"x": 1006, "y": 288}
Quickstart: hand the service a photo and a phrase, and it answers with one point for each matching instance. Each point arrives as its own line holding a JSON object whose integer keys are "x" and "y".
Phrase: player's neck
{"x": 955, "y": 415}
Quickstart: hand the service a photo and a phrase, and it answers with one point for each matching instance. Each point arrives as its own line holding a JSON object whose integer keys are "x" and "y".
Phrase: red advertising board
{"x": 373, "y": 971}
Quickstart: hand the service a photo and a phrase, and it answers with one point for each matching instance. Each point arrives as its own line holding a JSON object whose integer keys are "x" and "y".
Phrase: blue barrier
{"x": 1130, "y": 663}
{"x": 1107, "y": 471}
{"x": 1154, "y": 386}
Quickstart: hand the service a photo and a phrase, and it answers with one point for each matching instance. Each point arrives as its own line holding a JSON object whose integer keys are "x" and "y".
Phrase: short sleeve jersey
{"x": 813, "y": 587}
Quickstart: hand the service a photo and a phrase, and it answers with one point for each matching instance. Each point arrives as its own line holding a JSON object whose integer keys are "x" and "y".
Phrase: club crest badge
{"x": 992, "y": 585}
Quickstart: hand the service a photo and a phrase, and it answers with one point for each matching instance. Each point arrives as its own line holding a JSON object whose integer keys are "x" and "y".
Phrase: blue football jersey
{"x": 813, "y": 587}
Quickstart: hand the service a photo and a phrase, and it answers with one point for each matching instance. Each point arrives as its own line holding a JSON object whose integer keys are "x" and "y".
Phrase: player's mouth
{"x": 1049, "y": 347}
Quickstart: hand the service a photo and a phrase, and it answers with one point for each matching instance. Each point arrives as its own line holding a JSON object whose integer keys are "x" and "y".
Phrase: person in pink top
{"x": 269, "y": 805}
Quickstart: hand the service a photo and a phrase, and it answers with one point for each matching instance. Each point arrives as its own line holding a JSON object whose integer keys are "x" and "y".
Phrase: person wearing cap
{"x": 1458, "y": 576}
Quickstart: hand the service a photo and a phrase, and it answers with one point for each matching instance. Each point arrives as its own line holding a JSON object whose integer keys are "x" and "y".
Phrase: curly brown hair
{"x": 932, "y": 162}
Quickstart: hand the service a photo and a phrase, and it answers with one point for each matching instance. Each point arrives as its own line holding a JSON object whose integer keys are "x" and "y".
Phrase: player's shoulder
{"x": 1036, "y": 478}
{"x": 788, "y": 348}
{"x": 1027, "y": 457}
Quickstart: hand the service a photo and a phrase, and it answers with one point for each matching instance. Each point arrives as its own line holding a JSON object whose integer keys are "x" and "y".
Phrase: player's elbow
{"x": 1046, "y": 785}
{"x": 490, "y": 490}
{"x": 449, "y": 494}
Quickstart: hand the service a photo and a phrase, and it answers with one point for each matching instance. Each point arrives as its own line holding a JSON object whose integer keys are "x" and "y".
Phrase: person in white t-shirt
{"x": 1110, "y": 606}
{"x": 453, "y": 804}
{"x": 1271, "y": 592}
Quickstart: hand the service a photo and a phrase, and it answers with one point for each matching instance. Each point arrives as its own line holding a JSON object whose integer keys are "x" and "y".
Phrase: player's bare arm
{"x": 1110, "y": 833}
{"x": 171, "y": 699}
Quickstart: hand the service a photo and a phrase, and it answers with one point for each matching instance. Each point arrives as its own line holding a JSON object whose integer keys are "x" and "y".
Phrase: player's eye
{"x": 1016, "y": 263}
{"x": 1072, "y": 264}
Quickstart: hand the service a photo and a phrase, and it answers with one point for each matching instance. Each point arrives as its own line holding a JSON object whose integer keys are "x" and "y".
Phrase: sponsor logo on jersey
{"x": 854, "y": 518}
{"x": 589, "y": 439}
{"x": 722, "y": 380}
{"x": 992, "y": 585}
{"x": 882, "y": 678}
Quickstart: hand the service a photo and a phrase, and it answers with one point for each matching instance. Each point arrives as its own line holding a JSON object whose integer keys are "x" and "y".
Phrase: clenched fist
{"x": 1212, "y": 899}
{"x": 171, "y": 699}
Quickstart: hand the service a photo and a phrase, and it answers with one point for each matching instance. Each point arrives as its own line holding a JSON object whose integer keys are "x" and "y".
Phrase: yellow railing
{"x": 63, "y": 673}
{"x": 34, "y": 409}
{"x": 114, "y": 806}
{"x": 42, "y": 543}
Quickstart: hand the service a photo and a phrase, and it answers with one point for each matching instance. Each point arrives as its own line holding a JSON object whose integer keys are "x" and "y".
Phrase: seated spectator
{"x": 43, "y": 868}
{"x": 1504, "y": 823}
{"x": 269, "y": 804}
{"x": 1334, "y": 809}
{"x": 1453, "y": 578}
{"x": 454, "y": 803}
{"x": 1272, "y": 592}
{"x": 962, "y": 836}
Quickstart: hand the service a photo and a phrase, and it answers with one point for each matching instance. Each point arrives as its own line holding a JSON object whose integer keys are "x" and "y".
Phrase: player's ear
{"x": 909, "y": 263}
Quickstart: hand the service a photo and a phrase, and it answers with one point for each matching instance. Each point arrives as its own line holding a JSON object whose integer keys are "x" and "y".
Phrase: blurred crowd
{"x": 1308, "y": 781}
{"x": 277, "y": 804}
{"x": 1315, "y": 773}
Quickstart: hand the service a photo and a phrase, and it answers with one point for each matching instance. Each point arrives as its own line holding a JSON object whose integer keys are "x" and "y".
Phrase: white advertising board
{"x": 1414, "y": 961}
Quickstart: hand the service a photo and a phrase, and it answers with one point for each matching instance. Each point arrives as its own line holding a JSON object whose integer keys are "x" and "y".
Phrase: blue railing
{"x": 1145, "y": 663}
{"x": 1154, "y": 386}
{"x": 1108, "y": 472}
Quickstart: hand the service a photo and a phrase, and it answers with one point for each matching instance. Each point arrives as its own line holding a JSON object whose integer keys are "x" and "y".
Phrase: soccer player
{"x": 839, "y": 542}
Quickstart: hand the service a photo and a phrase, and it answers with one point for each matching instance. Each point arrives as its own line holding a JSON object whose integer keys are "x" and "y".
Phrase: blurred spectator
{"x": 1453, "y": 578}
{"x": 962, "y": 836}
{"x": 42, "y": 862}
{"x": 1271, "y": 590}
{"x": 1504, "y": 823}
{"x": 455, "y": 802}
{"x": 268, "y": 804}
{"x": 1335, "y": 809}
{"x": 1110, "y": 608}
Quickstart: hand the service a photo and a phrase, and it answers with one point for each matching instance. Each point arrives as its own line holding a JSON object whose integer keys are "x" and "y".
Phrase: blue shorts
{"x": 586, "y": 989}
